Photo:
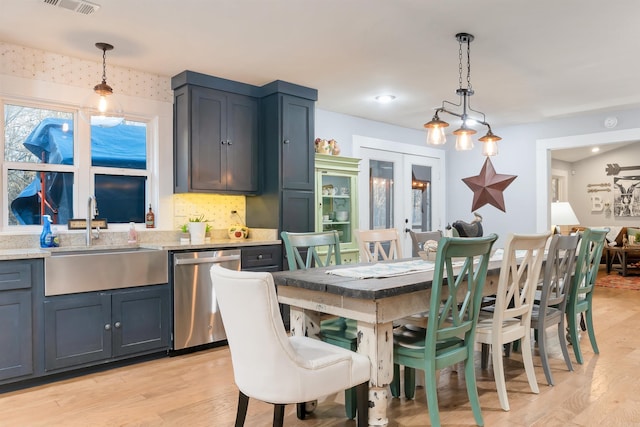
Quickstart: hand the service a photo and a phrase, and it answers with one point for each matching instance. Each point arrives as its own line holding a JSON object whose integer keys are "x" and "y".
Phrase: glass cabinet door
{"x": 336, "y": 205}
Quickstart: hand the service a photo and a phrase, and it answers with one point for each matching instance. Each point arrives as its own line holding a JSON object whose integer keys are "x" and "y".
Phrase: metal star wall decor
{"x": 488, "y": 186}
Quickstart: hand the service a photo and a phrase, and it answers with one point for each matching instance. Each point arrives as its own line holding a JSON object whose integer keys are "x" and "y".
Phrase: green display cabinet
{"x": 337, "y": 200}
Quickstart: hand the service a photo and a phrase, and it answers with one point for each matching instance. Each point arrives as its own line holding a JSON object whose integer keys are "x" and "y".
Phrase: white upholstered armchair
{"x": 270, "y": 366}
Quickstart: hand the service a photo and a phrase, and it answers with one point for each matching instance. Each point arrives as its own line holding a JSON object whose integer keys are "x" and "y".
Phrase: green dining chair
{"x": 450, "y": 336}
{"x": 309, "y": 250}
{"x": 580, "y": 300}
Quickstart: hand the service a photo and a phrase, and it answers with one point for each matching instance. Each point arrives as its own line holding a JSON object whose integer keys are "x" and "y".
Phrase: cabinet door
{"x": 77, "y": 330}
{"x": 242, "y": 144}
{"x": 298, "y": 211}
{"x": 208, "y": 139}
{"x": 140, "y": 320}
{"x": 297, "y": 144}
{"x": 16, "y": 349}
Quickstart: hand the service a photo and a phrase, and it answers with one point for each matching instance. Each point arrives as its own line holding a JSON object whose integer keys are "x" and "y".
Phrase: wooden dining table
{"x": 374, "y": 302}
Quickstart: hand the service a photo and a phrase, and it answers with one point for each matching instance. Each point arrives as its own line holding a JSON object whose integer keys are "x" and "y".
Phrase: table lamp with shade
{"x": 562, "y": 215}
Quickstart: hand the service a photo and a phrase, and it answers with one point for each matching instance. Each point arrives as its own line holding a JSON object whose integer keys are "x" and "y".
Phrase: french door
{"x": 400, "y": 188}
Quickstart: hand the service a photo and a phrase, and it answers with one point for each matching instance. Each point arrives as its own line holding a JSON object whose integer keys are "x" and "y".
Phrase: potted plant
{"x": 197, "y": 229}
{"x": 184, "y": 234}
{"x": 207, "y": 233}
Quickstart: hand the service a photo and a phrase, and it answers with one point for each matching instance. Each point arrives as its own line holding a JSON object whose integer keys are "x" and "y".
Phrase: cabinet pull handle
{"x": 260, "y": 256}
{"x": 228, "y": 142}
{"x": 286, "y": 141}
{"x": 222, "y": 142}
{"x": 117, "y": 325}
{"x": 107, "y": 327}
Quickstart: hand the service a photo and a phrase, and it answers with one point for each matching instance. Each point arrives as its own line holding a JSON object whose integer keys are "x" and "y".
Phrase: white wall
{"x": 342, "y": 128}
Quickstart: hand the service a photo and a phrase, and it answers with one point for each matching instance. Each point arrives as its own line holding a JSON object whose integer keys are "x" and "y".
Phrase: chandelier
{"x": 101, "y": 108}
{"x": 435, "y": 128}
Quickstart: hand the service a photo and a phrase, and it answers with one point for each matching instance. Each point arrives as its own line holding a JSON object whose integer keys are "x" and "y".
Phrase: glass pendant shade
{"x": 489, "y": 144}
{"x": 464, "y": 142}
{"x": 436, "y": 136}
{"x": 435, "y": 131}
{"x": 102, "y": 110}
{"x": 489, "y": 148}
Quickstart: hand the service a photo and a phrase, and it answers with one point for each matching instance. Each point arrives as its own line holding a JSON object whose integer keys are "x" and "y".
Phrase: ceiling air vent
{"x": 79, "y": 6}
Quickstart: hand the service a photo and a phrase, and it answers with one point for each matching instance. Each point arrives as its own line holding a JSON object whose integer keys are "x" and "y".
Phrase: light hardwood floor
{"x": 198, "y": 390}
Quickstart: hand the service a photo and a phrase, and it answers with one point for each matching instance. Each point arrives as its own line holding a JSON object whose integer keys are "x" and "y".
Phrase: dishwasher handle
{"x": 208, "y": 260}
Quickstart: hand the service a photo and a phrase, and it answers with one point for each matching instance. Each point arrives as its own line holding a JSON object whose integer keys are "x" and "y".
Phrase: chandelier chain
{"x": 460, "y": 64}
{"x": 469, "y": 66}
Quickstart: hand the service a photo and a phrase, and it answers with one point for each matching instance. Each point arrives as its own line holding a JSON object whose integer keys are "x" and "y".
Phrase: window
{"x": 49, "y": 165}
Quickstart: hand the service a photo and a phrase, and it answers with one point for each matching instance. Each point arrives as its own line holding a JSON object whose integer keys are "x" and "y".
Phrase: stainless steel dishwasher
{"x": 196, "y": 318}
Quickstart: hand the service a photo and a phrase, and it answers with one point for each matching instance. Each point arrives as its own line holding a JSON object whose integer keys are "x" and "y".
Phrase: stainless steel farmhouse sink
{"x": 75, "y": 271}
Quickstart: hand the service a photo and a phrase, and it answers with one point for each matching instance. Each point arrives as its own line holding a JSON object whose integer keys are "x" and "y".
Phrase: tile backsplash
{"x": 215, "y": 208}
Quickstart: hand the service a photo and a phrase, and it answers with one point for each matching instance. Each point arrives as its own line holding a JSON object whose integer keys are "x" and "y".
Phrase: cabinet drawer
{"x": 15, "y": 275}
{"x": 261, "y": 256}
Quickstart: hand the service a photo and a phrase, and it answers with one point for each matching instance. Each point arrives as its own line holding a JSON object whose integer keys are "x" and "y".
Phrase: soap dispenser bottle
{"x": 133, "y": 234}
{"x": 46, "y": 237}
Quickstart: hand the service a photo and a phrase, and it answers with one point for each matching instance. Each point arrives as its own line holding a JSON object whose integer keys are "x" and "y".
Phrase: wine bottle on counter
{"x": 150, "y": 219}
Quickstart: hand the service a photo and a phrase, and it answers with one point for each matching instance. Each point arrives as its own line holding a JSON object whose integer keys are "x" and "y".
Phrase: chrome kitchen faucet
{"x": 91, "y": 211}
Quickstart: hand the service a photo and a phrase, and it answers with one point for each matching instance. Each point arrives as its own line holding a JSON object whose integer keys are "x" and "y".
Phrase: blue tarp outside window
{"x": 123, "y": 146}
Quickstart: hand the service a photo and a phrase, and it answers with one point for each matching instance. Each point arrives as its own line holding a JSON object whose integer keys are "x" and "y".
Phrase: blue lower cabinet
{"x": 16, "y": 356}
{"x": 18, "y": 278}
{"x": 90, "y": 328}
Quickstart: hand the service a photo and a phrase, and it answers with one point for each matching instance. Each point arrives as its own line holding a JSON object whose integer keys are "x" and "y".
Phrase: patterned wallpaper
{"x": 51, "y": 67}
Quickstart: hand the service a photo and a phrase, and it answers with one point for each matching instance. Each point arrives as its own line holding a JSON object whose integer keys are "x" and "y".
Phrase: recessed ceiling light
{"x": 383, "y": 99}
{"x": 595, "y": 149}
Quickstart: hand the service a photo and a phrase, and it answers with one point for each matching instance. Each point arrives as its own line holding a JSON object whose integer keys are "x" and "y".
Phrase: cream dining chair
{"x": 510, "y": 319}
{"x": 270, "y": 366}
{"x": 379, "y": 245}
{"x": 384, "y": 245}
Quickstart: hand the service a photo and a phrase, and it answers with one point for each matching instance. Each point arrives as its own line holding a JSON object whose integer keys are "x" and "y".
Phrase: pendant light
{"x": 101, "y": 108}
{"x": 464, "y": 141}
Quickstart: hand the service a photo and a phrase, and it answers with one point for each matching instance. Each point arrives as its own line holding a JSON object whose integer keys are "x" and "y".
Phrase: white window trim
{"x": 82, "y": 156}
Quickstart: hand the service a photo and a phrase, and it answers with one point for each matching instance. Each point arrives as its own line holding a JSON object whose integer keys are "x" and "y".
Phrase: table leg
{"x": 376, "y": 341}
{"x": 304, "y": 322}
{"x": 624, "y": 263}
{"x": 609, "y": 260}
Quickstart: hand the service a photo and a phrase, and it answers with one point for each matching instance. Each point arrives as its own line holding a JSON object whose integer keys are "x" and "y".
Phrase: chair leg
{"x": 544, "y": 357}
{"x": 350, "y": 401}
{"x": 590, "y": 330}
{"x": 409, "y": 382}
{"x": 498, "y": 374}
{"x": 278, "y": 415}
{"x": 472, "y": 389}
{"x": 484, "y": 362}
{"x": 563, "y": 345}
{"x": 431, "y": 390}
{"x": 573, "y": 334}
{"x": 527, "y": 358}
{"x": 362, "y": 403}
{"x": 395, "y": 382}
{"x": 301, "y": 410}
{"x": 241, "y": 414}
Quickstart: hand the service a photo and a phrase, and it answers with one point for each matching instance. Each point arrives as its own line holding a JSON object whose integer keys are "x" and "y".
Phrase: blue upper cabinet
{"x": 215, "y": 135}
